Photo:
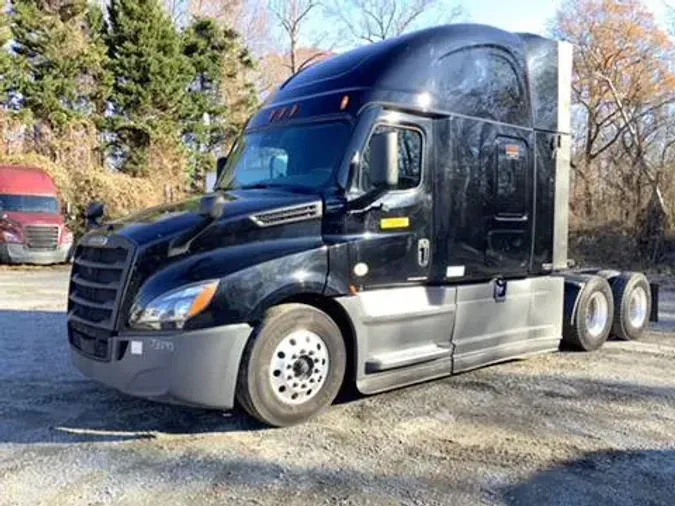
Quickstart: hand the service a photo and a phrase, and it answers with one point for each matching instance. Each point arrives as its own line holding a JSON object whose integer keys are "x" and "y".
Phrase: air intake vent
{"x": 288, "y": 215}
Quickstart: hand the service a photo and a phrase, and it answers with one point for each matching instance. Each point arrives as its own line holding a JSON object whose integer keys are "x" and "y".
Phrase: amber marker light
{"x": 203, "y": 299}
{"x": 344, "y": 103}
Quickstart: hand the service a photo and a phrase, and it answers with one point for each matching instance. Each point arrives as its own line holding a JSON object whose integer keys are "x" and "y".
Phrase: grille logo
{"x": 97, "y": 240}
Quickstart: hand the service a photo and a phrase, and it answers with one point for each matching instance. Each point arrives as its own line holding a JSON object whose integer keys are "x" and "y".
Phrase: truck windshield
{"x": 28, "y": 204}
{"x": 299, "y": 157}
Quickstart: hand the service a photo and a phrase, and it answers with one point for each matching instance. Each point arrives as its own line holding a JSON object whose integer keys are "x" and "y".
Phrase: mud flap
{"x": 654, "y": 289}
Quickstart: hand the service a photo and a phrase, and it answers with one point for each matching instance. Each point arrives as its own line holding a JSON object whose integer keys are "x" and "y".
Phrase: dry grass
{"x": 82, "y": 184}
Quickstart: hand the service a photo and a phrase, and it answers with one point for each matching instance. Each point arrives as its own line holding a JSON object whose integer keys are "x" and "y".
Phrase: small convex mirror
{"x": 212, "y": 205}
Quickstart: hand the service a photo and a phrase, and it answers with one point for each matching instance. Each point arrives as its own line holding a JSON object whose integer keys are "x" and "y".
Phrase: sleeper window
{"x": 409, "y": 143}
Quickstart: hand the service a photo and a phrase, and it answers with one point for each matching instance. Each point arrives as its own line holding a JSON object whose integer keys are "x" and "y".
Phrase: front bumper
{"x": 196, "y": 368}
{"x": 11, "y": 253}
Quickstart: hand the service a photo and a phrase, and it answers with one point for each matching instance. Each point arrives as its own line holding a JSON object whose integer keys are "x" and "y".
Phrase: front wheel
{"x": 292, "y": 367}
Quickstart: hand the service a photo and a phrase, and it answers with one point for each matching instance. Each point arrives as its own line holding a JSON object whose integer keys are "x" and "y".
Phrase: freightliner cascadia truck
{"x": 395, "y": 214}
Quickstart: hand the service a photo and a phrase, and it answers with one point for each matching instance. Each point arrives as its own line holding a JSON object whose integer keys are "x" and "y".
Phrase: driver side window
{"x": 409, "y": 147}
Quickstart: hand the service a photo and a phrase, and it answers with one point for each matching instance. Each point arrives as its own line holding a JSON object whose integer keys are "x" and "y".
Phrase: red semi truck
{"x": 32, "y": 225}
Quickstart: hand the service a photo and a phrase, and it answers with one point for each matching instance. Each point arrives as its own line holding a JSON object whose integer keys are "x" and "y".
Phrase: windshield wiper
{"x": 288, "y": 187}
{"x": 255, "y": 186}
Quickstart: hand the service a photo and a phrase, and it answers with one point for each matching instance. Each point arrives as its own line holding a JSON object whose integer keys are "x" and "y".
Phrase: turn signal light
{"x": 203, "y": 300}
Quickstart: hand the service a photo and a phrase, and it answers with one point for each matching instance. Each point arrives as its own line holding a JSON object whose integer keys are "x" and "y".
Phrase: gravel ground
{"x": 560, "y": 429}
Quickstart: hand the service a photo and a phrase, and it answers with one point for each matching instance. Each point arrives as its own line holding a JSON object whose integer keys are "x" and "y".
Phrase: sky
{"x": 532, "y": 15}
{"x": 515, "y": 15}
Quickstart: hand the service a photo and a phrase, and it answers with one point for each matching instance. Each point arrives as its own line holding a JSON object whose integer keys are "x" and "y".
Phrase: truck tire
{"x": 589, "y": 325}
{"x": 292, "y": 367}
{"x": 633, "y": 305}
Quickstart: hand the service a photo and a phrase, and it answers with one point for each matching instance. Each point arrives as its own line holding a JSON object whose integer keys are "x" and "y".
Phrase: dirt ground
{"x": 561, "y": 429}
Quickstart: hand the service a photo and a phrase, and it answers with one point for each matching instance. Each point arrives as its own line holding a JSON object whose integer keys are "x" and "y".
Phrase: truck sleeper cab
{"x": 394, "y": 214}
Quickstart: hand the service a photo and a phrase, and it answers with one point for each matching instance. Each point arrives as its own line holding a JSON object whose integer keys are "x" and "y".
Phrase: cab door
{"x": 393, "y": 240}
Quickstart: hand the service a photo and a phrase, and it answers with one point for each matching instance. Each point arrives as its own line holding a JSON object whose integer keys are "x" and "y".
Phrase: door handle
{"x": 423, "y": 252}
{"x": 512, "y": 219}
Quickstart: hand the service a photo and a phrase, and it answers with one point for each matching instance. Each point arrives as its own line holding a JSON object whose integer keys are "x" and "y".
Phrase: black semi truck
{"x": 394, "y": 214}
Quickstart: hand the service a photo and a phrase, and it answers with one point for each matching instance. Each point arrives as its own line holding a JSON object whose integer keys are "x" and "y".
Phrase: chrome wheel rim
{"x": 637, "y": 307}
{"x": 597, "y": 314}
{"x": 299, "y": 367}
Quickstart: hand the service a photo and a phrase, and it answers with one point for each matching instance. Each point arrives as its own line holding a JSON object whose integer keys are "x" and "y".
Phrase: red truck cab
{"x": 32, "y": 226}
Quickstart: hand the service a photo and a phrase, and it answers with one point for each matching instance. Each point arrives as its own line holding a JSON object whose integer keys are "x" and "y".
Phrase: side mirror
{"x": 384, "y": 159}
{"x": 68, "y": 208}
{"x": 220, "y": 166}
{"x": 94, "y": 214}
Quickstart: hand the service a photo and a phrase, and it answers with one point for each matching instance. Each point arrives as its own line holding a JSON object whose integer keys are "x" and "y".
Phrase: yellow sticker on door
{"x": 389, "y": 223}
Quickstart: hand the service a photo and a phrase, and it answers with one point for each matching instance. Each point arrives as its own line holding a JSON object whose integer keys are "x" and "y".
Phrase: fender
{"x": 574, "y": 284}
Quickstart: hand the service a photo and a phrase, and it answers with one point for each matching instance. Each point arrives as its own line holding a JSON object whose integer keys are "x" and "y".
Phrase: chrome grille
{"x": 42, "y": 237}
{"x": 96, "y": 287}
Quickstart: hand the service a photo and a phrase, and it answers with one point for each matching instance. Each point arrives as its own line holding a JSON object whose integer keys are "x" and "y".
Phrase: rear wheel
{"x": 633, "y": 305}
{"x": 591, "y": 321}
{"x": 293, "y": 366}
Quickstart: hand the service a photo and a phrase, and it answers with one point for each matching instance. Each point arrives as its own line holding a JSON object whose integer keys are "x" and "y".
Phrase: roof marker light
{"x": 344, "y": 103}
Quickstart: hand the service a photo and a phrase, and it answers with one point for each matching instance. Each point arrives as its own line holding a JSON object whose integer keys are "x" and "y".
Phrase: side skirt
{"x": 482, "y": 358}
{"x": 414, "y": 334}
{"x": 410, "y": 375}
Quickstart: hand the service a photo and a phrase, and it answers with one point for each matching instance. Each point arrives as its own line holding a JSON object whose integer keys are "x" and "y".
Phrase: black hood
{"x": 180, "y": 218}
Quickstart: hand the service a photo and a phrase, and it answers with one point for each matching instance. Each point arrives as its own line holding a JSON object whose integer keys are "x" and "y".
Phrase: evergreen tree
{"x": 59, "y": 69}
{"x": 217, "y": 93}
{"x": 151, "y": 78}
{"x": 5, "y": 60}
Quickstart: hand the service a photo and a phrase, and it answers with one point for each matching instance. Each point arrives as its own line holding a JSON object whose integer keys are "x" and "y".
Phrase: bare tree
{"x": 293, "y": 16}
{"x": 624, "y": 94}
{"x": 176, "y": 9}
{"x": 250, "y": 18}
{"x": 375, "y": 20}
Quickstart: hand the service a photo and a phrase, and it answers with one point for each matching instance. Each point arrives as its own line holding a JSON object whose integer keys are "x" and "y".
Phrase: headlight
{"x": 174, "y": 308}
{"x": 11, "y": 236}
